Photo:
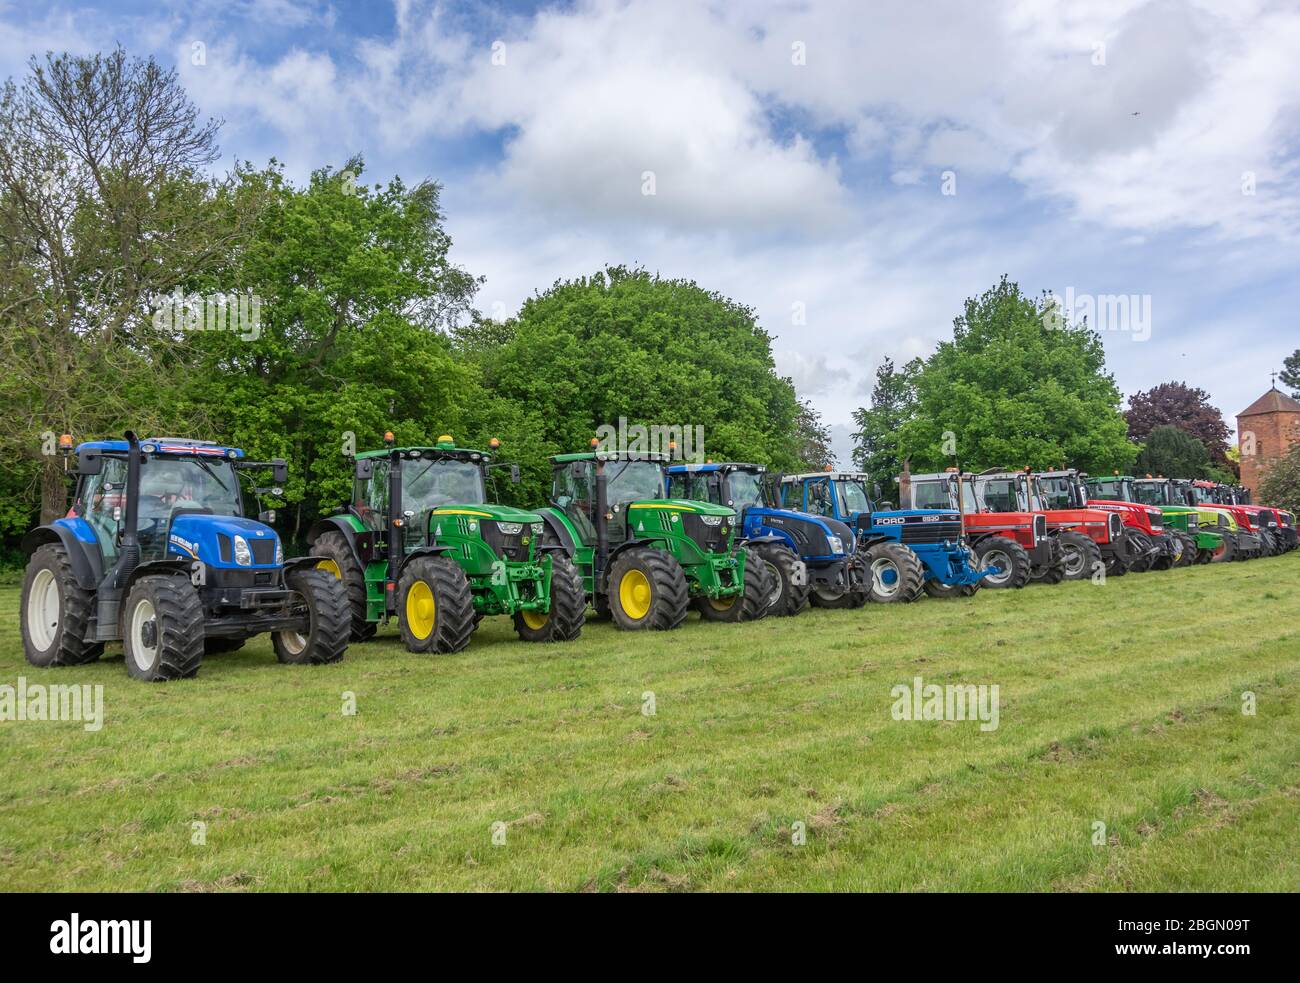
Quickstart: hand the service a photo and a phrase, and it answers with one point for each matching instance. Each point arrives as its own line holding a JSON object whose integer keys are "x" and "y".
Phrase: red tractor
{"x": 1012, "y": 542}
{"x": 1088, "y": 538}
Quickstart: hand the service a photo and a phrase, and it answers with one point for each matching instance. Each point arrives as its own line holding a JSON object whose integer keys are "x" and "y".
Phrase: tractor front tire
{"x": 162, "y": 629}
{"x": 895, "y": 575}
{"x": 789, "y": 594}
{"x": 647, "y": 589}
{"x": 751, "y": 603}
{"x": 564, "y": 621}
{"x": 55, "y": 612}
{"x": 329, "y": 620}
{"x": 435, "y": 605}
{"x": 1187, "y": 555}
{"x": 1011, "y": 559}
{"x": 343, "y": 563}
{"x": 1142, "y": 546}
{"x": 1080, "y": 555}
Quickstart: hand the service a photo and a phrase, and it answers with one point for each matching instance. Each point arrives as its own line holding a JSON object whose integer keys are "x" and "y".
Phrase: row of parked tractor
{"x": 156, "y": 551}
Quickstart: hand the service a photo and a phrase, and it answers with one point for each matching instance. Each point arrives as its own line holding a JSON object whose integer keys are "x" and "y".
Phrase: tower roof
{"x": 1273, "y": 401}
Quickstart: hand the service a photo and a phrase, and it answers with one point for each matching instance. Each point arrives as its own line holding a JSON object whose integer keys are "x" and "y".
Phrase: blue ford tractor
{"x": 907, "y": 551}
{"x": 156, "y": 553}
{"x": 809, "y": 556}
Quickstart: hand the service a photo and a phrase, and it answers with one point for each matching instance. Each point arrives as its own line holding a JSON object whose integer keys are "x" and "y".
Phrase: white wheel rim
{"x": 997, "y": 558}
{"x": 1073, "y": 560}
{"x": 293, "y": 642}
{"x": 141, "y": 615}
{"x": 878, "y": 569}
{"x": 778, "y": 585}
{"x": 43, "y": 610}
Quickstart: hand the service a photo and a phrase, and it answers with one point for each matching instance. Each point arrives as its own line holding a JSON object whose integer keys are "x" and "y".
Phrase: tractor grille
{"x": 1157, "y": 521}
{"x": 714, "y": 539}
{"x": 1115, "y": 525}
{"x": 514, "y": 548}
{"x": 919, "y": 533}
{"x": 263, "y": 550}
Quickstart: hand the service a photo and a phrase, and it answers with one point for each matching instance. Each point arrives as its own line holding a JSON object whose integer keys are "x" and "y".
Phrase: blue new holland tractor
{"x": 156, "y": 552}
{"x": 906, "y": 551}
{"x": 809, "y": 556}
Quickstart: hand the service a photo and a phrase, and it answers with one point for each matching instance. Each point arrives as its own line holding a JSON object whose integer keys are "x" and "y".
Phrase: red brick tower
{"x": 1266, "y": 429}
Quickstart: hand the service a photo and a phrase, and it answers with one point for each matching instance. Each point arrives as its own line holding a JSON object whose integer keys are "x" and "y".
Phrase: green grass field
{"x": 1120, "y": 704}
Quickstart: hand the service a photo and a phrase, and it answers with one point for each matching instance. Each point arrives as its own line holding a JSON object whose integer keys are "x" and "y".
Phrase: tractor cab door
{"x": 819, "y": 498}
{"x": 573, "y": 492}
{"x": 370, "y": 498}
{"x": 101, "y": 501}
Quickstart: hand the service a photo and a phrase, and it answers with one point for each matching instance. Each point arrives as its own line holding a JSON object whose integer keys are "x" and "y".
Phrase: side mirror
{"x": 267, "y": 517}
{"x": 279, "y": 471}
{"x": 514, "y": 474}
{"x": 365, "y": 469}
{"x": 90, "y": 463}
{"x": 875, "y": 489}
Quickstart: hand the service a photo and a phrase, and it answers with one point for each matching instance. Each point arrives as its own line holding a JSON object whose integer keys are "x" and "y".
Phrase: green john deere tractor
{"x": 644, "y": 558}
{"x": 420, "y": 542}
{"x": 1199, "y": 527}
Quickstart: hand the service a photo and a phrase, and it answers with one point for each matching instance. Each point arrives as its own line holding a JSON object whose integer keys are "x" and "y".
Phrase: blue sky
{"x": 800, "y": 154}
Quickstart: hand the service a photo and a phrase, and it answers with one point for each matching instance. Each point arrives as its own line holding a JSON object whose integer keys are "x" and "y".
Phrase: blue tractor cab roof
{"x": 711, "y": 467}
{"x": 163, "y": 445}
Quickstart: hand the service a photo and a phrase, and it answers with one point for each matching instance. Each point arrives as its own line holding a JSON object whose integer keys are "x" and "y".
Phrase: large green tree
{"x": 624, "y": 343}
{"x": 1173, "y": 453}
{"x": 1016, "y": 386}
{"x": 1290, "y": 374}
{"x": 1185, "y": 407}
{"x": 1280, "y": 485}
{"x": 876, "y": 447}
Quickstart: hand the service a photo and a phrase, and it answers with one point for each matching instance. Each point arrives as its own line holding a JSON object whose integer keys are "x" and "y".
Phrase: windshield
{"x": 853, "y": 497}
{"x": 1151, "y": 492}
{"x": 1000, "y": 495}
{"x": 1111, "y": 489}
{"x": 745, "y": 488}
{"x": 941, "y": 494}
{"x": 634, "y": 481}
{"x": 171, "y": 483}
{"x": 692, "y": 485}
{"x": 1054, "y": 493}
{"x": 1202, "y": 495}
{"x": 429, "y": 484}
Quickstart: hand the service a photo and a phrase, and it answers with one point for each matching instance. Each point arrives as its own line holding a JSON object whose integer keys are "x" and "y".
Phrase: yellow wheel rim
{"x": 535, "y": 619}
{"x": 634, "y": 594}
{"x": 722, "y": 603}
{"x": 329, "y": 566}
{"x": 420, "y": 609}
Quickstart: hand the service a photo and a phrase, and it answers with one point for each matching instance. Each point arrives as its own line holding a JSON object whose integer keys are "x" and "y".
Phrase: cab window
{"x": 101, "y": 501}
{"x": 818, "y": 498}
{"x": 370, "y": 498}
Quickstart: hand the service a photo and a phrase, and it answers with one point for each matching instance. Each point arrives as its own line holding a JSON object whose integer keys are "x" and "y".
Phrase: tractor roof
{"x": 1061, "y": 473}
{"x": 163, "y": 445}
{"x": 610, "y": 456}
{"x": 449, "y": 450}
{"x": 836, "y": 475}
{"x": 709, "y": 467}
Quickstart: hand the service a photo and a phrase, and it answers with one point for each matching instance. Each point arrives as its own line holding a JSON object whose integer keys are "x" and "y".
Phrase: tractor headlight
{"x": 836, "y": 544}
{"x": 1193, "y": 522}
{"x": 537, "y": 528}
{"x": 279, "y": 553}
{"x": 243, "y": 555}
{"x": 711, "y": 520}
{"x": 510, "y": 528}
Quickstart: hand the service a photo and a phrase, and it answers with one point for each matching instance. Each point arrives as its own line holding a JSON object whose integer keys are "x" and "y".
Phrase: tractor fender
{"x": 170, "y": 568}
{"x": 297, "y": 562}
{"x": 634, "y": 543}
{"x": 337, "y": 523}
{"x": 559, "y": 530}
{"x": 423, "y": 551}
{"x": 766, "y": 539}
{"x": 87, "y": 566}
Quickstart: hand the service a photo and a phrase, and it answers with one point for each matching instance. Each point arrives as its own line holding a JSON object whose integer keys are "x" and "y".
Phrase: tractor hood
{"x": 211, "y": 538}
{"x": 813, "y": 536}
{"x": 499, "y": 513}
{"x": 682, "y": 505}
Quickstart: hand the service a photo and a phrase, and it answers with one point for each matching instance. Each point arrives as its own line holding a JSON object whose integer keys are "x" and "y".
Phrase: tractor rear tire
{"x": 894, "y": 575}
{"x": 329, "y": 620}
{"x": 334, "y": 546}
{"x": 753, "y": 600}
{"x": 1080, "y": 555}
{"x": 55, "y": 612}
{"x": 162, "y": 629}
{"x": 1010, "y": 557}
{"x": 564, "y": 621}
{"x": 1227, "y": 552}
{"x": 435, "y": 605}
{"x": 935, "y": 588}
{"x": 1188, "y": 555}
{"x": 647, "y": 589}
{"x": 788, "y": 597}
